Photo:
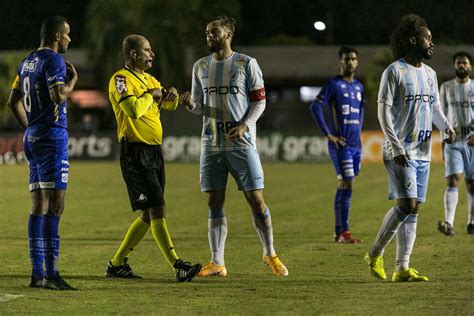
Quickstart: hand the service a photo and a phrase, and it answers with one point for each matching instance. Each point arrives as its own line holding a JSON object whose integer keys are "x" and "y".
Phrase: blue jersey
{"x": 38, "y": 72}
{"x": 343, "y": 102}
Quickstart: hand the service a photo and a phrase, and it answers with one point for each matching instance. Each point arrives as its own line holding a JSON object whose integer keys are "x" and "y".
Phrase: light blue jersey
{"x": 225, "y": 89}
{"x": 408, "y": 105}
{"x": 457, "y": 103}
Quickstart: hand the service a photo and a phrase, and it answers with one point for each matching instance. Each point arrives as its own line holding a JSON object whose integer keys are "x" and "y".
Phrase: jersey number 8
{"x": 26, "y": 94}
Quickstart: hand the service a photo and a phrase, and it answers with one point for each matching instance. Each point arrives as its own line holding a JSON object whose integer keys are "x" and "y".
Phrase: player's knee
{"x": 408, "y": 208}
{"x": 345, "y": 184}
{"x": 156, "y": 212}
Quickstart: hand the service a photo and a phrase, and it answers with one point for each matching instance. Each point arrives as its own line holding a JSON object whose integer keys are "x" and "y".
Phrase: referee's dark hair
{"x": 50, "y": 26}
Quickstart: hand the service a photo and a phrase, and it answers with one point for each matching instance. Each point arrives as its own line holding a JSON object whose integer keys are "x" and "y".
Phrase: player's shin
{"x": 344, "y": 207}
{"x": 406, "y": 236}
{"x": 134, "y": 235}
{"x": 35, "y": 236}
{"x": 450, "y": 203}
{"x": 337, "y": 215}
{"x": 390, "y": 224}
{"x": 263, "y": 224}
{"x": 217, "y": 234}
{"x": 163, "y": 239}
{"x": 51, "y": 242}
{"x": 470, "y": 208}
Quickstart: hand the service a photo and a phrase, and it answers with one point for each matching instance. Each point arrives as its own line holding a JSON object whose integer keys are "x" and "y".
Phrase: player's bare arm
{"x": 16, "y": 105}
{"x": 60, "y": 93}
{"x": 402, "y": 160}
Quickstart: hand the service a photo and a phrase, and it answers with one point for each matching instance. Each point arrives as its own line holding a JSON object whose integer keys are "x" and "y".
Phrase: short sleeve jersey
{"x": 226, "y": 89}
{"x": 344, "y": 106}
{"x": 411, "y": 93}
{"x": 37, "y": 73}
{"x": 457, "y": 103}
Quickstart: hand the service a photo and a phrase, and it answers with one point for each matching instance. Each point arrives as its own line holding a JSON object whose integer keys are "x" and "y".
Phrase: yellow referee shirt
{"x": 137, "y": 114}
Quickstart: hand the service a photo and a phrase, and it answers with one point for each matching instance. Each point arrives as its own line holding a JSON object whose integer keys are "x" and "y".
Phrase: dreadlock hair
{"x": 410, "y": 25}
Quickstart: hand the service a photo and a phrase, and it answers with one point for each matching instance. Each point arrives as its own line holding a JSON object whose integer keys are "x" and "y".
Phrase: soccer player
{"x": 137, "y": 99}
{"x": 38, "y": 101}
{"x": 457, "y": 99}
{"x": 228, "y": 90}
{"x": 408, "y": 105}
{"x": 343, "y": 99}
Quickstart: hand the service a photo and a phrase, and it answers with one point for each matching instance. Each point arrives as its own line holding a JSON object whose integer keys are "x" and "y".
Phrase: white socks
{"x": 217, "y": 234}
{"x": 406, "y": 236}
{"x": 390, "y": 224}
{"x": 450, "y": 203}
{"x": 263, "y": 225}
{"x": 470, "y": 209}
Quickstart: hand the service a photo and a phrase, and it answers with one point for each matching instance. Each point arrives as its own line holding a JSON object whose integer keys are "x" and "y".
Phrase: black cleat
{"x": 123, "y": 271}
{"x": 445, "y": 228}
{"x": 36, "y": 282}
{"x": 470, "y": 229}
{"x": 57, "y": 283}
{"x": 186, "y": 272}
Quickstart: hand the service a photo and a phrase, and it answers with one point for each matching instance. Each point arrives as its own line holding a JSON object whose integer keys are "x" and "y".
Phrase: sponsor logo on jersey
{"x": 419, "y": 98}
{"x": 345, "y": 109}
{"x": 421, "y": 136}
{"x": 30, "y": 65}
{"x": 221, "y": 90}
{"x": 225, "y": 127}
{"x": 351, "y": 122}
{"x": 462, "y": 104}
{"x": 121, "y": 84}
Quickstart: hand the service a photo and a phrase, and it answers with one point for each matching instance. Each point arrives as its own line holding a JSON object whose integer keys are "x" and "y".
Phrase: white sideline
{"x": 5, "y": 297}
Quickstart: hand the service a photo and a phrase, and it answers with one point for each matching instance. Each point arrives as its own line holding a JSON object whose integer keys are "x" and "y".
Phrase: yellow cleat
{"x": 375, "y": 266}
{"x": 408, "y": 275}
{"x": 276, "y": 265}
{"x": 212, "y": 269}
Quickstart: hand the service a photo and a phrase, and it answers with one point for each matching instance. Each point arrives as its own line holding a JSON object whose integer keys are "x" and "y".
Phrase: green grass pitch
{"x": 324, "y": 277}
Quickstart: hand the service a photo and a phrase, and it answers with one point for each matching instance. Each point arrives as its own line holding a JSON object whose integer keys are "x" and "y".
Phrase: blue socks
{"x": 342, "y": 205}
{"x": 51, "y": 244}
{"x": 35, "y": 237}
{"x": 337, "y": 213}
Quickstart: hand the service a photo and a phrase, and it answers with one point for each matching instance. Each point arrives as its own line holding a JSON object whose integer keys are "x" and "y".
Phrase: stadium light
{"x": 319, "y": 26}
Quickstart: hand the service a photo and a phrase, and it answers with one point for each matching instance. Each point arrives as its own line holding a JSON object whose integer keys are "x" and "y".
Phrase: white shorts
{"x": 408, "y": 182}
{"x": 458, "y": 158}
{"x": 243, "y": 164}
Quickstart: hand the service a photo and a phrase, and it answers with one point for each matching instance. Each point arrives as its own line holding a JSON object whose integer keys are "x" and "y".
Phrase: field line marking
{"x": 5, "y": 297}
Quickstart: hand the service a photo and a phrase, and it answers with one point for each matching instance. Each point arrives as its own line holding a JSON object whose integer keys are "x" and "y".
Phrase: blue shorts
{"x": 47, "y": 155}
{"x": 346, "y": 161}
{"x": 244, "y": 165}
{"x": 458, "y": 158}
{"x": 408, "y": 182}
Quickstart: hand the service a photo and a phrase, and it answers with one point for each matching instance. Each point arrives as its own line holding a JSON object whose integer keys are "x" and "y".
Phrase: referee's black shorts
{"x": 144, "y": 173}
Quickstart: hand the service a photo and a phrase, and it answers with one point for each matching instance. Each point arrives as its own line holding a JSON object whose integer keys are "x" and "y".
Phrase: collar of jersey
{"x": 137, "y": 75}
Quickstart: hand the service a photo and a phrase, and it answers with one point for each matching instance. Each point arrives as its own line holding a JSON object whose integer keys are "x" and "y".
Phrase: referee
{"x": 137, "y": 98}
